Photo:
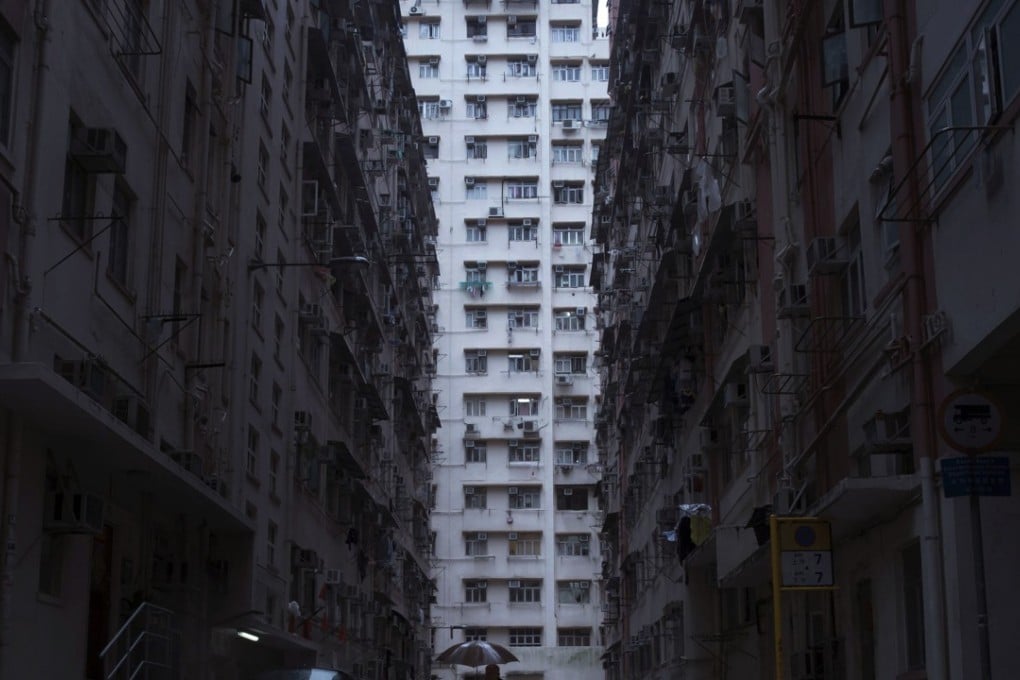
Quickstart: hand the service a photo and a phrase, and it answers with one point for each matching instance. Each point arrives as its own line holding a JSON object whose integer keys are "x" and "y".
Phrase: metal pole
{"x": 978, "y": 546}
{"x": 777, "y": 593}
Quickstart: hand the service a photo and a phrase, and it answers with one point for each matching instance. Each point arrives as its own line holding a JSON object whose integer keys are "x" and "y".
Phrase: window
{"x": 520, "y": 148}
{"x": 276, "y": 398}
{"x": 278, "y": 331}
{"x": 475, "y": 591}
{"x": 475, "y": 498}
{"x": 523, "y": 276}
{"x": 913, "y": 605}
{"x": 571, "y": 453}
{"x": 573, "y": 637}
{"x": 79, "y": 188}
{"x": 476, "y": 192}
{"x": 430, "y": 149}
{"x": 571, "y": 409}
{"x": 258, "y": 296}
{"x": 265, "y": 97}
{"x": 267, "y": 35}
{"x": 260, "y": 236}
{"x": 476, "y": 318}
{"x": 524, "y": 545}
{"x": 600, "y": 112}
{"x": 595, "y": 149}
{"x": 522, "y": 107}
{"x": 525, "y": 637}
{"x": 835, "y": 69}
{"x": 428, "y": 69}
{"x": 281, "y": 261}
{"x": 573, "y": 592}
{"x": 254, "y": 375}
{"x": 568, "y": 320}
{"x": 475, "y": 68}
{"x": 573, "y": 545}
{"x": 477, "y": 149}
{"x": 474, "y": 406}
{"x": 288, "y": 80}
{"x": 524, "y": 452}
{"x": 428, "y": 30}
{"x": 479, "y": 634}
{"x": 523, "y": 317}
{"x": 566, "y": 111}
{"x": 252, "y": 453}
{"x": 522, "y": 363}
{"x": 119, "y": 258}
{"x": 523, "y": 67}
{"x": 271, "y": 532}
{"x": 566, "y": 72}
{"x": 262, "y": 165}
{"x": 571, "y": 363}
{"x": 475, "y": 361}
{"x": 274, "y": 474}
{"x": 523, "y": 406}
{"x": 522, "y": 232}
{"x": 477, "y": 110}
{"x": 284, "y": 204}
{"x": 525, "y": 592}
{"x": 852, "y": 284}
{"x": 521, "y": 28}
{"x": 189, "y": 122}
{"x": 428, "y": 109}
{"x": 565, "y": 33}
{"x": 571, "y": 498}
{"x": 519, "y": 189}
{"x": 568, "y": 235}
{"x": 477, "y": 27}
{"x": 568, "y": 277}
{"x": 475, "y": 451}
{"x": 526, "y": 498}
{"x": 476, "y": 543}
{"x": 567, "y": 153}
{"x": 600, "y": 72}
{"x": 474, "y": 233}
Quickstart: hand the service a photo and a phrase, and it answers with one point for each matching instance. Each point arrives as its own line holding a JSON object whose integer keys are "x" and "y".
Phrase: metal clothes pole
{"x": 978, "y": 546}
{"x": 777, "y": 593}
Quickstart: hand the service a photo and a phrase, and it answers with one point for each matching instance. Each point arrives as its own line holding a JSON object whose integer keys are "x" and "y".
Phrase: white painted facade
{"x": 510, "y": 96}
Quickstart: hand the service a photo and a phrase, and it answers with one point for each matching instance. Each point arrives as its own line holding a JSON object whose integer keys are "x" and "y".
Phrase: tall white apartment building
{"x": 513, "y": 100}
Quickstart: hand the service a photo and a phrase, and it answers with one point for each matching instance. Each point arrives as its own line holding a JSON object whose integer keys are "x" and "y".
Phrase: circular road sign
{"x": 970, "y": 421}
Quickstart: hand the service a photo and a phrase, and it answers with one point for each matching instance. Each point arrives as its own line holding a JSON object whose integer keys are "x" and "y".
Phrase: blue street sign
{"x": 982, "y": 476}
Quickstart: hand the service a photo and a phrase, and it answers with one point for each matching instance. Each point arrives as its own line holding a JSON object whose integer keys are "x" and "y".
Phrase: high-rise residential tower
{"x": 513, "y": 103}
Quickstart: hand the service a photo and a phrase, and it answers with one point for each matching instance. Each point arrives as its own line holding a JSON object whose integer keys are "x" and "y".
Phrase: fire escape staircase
{"x": 145, "y": 647}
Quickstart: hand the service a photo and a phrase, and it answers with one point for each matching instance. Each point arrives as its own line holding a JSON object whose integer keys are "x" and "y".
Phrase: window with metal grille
{"x": 475, "y": 591}
{"x": 573, "y": 592}
{"x": 524, "y": 453}
{"x": 573, "y": 637}
{"x": 525, "y": 592}
{"x": 526, "y": 498}
{"x": 525, "y": 545}
{"x": 525, "y": 637}
{"x": 573, "y": 545}
{"x": 571, "y": 409}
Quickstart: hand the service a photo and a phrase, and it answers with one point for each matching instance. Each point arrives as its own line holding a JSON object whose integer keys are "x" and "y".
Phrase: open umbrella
{"x": 476, "y": 653}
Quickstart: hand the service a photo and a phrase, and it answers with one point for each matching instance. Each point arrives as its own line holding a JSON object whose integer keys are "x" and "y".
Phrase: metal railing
{"x": 145, "y": 646}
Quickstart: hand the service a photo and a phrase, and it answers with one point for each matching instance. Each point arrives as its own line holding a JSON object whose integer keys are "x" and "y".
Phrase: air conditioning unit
{"x": 826, "y": 255}
{"x": 759, "y": 359}
{"x": 511, "y": 536}
{"x": 445, "y": 103}
{"x": 511, "y": 19}
{"x": 532, "y": 58}
{"x": 495, "y": 212}
{"x": 434, "y": 61}
{"x": 513, "y": 584}
{"x": 725, "y": 102}
{"x": 100, "y": 151}
{"x": 527, "y": 222}
{"x": 469, "y": 491}
{"x": 511, "y": 265}
{"x": 480, "y": 38}
{"x": 529, "y": 427}
{"x": 73, "y": 513}
{"x": 481, "y": 536}
{"x": 559, "y": 269}
{"x": 535, "y": 352}
{"x": 415, "y": 10}
{"x": 580, "y": 311}
{"x": 481, "y": 20}
{"x": 564, "y": 379}
{"x": 480, "y": 99}
{"x": 333, "y": 577}
{"x": 468, "y": 444}
{"x": 558, "y": 184}
{"x": 302, "y": 420}
{"x": 433, "y": 140}
{"x": 470, "y": 430}
{"x": 433, "y": 182}
{"x": 570, "y": 125}
{"x": 482, "y": 59}
{"x": 532, "y": 139}
{"x": 469, "y": 140}
{"x": 482, "y": 584}
{"x": 792, "y": 300}
{"x": 481, "y": 222}
{"x": 469, "y": 181}
{"x": 481, "y": 265}
{"x": 585, "y": 585}
{"x": 568, "y": 491}
{"x": 512, "y": 490}
{"x": 521, "y": 99}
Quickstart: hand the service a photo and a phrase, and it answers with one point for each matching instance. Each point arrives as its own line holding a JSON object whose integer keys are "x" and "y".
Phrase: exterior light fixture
{"x": 251, "y": 637}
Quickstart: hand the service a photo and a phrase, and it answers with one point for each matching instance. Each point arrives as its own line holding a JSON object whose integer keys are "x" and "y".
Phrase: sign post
{"x": 970, "y": 421}
{"x": 801, "y": 552}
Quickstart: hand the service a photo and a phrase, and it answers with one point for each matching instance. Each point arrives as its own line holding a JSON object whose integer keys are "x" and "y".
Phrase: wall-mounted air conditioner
{"x": 73, "y": 513}
{"x": 495, "y": 211}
